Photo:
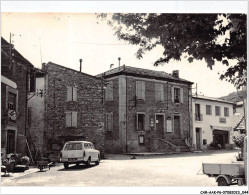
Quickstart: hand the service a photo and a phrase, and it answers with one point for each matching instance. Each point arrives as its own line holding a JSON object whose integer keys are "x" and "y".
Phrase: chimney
{"x": 111, "y": 66}
{"x": 80, "y": 64}
{"x": 43, "y": 66}
{"x": 175, "y": 73}
{"x": 119, "y": 62}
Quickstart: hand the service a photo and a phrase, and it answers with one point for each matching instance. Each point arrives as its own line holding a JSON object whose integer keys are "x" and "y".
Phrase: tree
{"x": 209, "y": 37}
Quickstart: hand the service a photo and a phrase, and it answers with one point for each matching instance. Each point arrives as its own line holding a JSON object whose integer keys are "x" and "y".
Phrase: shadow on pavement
{"x": 76, "y": 168}
{"x": 173, "y": 155}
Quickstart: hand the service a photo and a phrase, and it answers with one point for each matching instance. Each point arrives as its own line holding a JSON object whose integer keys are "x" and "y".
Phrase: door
{"x": 160, "y": 125}
{"x": 198, "y": 138}
{"x": 10, "y": 141}
{"x": 177, "y": 126}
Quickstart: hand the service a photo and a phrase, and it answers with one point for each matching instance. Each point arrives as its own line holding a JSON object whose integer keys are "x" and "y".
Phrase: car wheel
{"x": 66, "y": 165}
{"x": 88, "y": 162}
{"x": 97, "y": 162}
{"x": 77, "y": 164}
{"x": 222, "y": 182}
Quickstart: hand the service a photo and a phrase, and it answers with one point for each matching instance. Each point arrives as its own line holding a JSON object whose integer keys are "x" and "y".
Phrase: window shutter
{"x": 137, "y": 89}
{"x": 111, "y": 91}
{"x": 68, "y": 119}
{"x": 172, "y": 94}
{"x": 69, "y": 93}
{"x": 136, "y": 122}
{"x": 111, "y": 121}
{"x": 143, "y": 90}
{"x": 74, "y": 119}
{"x": 156, "y": 92}
{"x": 181, "y": 95}
{"x": 162, "y": 92}
{"x": 74, "y": 94}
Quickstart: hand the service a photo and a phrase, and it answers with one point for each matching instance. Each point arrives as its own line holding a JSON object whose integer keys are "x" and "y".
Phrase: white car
{"x": 76, "y": 152}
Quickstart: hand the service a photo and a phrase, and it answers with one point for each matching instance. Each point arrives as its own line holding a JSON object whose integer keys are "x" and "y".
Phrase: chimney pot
{"x": 175, "y": 73}
{"x": 80, "y": 64}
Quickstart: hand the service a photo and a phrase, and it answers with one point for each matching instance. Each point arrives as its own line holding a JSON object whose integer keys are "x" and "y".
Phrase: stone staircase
{"x": 181, "y": 144}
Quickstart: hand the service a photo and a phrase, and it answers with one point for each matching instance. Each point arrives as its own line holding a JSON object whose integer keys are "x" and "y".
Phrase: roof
{"x": 140, "y": 72}
{"x": 72, "y": 70}
{"x": 16, "y": 55}
{"x": 211, "y": 99}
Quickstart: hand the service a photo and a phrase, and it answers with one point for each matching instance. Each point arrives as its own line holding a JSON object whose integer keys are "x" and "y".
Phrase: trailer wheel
{"x": 66, "y": 165}
{"x": 222, "y": 182}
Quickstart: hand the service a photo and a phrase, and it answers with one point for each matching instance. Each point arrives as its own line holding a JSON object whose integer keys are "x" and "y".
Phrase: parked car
{"x": 76, "y": 152}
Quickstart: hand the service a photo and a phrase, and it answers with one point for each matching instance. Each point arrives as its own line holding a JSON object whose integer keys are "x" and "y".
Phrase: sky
{"x": 66, "y": 37}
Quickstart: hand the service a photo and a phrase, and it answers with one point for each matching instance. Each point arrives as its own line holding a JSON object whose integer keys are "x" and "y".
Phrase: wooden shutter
{"x": 111, "y": 91}
{"x": 181, "y": 95}
{"x": 68, "y": 119}
{"x": 74, "y": 119}
{"x": 138, "y": 89}
{"x": 157, "y": 92}
{"x": 74, "y": 94}
{"x": 69, "y": 93}
{"x": 172, "y": 94}
{"x": 162, "y": 92}
{"x": 110, "y": 122}
{"x": 143, "y": 90}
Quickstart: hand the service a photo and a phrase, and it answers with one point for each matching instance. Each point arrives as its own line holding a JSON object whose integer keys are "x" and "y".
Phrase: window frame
{"x": 159, "y": 92}
{"x": 71, "y": 113}
{"x": 226, "y": 114}
{"x": 217, "y": 110}
{"x": 72, "y": 93}
{"x": 210, "y": 109}
{"x": 140, "y": 113}
{"x": 140, "y": 90}
{"x": 139, "y": 140}
{"x": 109, "y": 114}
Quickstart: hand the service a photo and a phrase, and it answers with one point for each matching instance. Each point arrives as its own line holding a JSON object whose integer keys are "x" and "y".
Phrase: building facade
{"x": 213, "y": 121}
{"x": 73, "y": 108}
{"x": 17, "y": 81}
{"x": 145, "y": 110}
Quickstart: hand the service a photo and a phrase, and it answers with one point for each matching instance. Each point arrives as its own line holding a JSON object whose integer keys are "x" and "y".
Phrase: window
{"x": 217, "y": 110}
{"x": 208, "y": 110}
{"x": 71, "y": 119}
{"x": 109, "y": 121}
{"x": 226, "y": 111}
{"x": 141, "y": 139}
{"x": 140, "y": 90}
{"x": 140, "y": 121}
{"x": 159, "y": 92}
{"x": 109, "y": 91}
{"x": 177, "y": 95}
{"x": 73, "y": 146}
{"x": 11, "y": 101}
{"x": 198, "y": 115}
{"x": 71, "y": 94}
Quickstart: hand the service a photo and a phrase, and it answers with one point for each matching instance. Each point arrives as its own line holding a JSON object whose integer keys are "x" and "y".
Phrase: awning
{"x": 8, "y": 82}
{"x": 221, "y": 128}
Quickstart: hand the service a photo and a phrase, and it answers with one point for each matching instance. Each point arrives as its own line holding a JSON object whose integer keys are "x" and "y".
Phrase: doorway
{"x": 198, "y": 138}
{"x": 10, "y": 141}
{"x": 177, "y": 126}
{"x": 160, "y": 125}
{"x": 220, "y": 137}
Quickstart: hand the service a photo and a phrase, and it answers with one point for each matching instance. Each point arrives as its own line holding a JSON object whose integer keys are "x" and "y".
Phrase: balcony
{"x": 198, "y": 117}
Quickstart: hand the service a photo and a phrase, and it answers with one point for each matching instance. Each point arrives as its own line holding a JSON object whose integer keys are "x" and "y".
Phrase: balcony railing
{"x": 198, "y": 117}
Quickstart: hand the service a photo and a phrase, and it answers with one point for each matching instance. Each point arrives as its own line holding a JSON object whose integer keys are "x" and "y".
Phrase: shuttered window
{"x": 217, "y": 110}
{"x": 71, "y": 119}
{"x": 169, "y": 125}
{"x": 226, "y": 111}
{"x": 159, "y": 92}
{"x": 140, "y": 90}
{"x": 71, "y": 93}
{"x": 109, "y": 121}
{"x": 109, "y": 91}
{"x": 177, "y": 94}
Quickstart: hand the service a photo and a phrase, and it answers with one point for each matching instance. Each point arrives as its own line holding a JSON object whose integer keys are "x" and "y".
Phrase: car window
{"x": 86, "y": 146}
{"x": 73, "y": 146}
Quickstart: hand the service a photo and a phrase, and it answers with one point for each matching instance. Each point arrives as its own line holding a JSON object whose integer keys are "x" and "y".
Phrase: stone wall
{"x": 90, "y": 120}
{"x": 150, "y": 108}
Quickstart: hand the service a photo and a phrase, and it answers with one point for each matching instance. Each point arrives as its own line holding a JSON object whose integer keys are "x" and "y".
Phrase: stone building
{"x": 213, "y": 121}
{"x": 17, "y": 81}
{"x": 73, "y": 108}
{"x": 146, "y": 110}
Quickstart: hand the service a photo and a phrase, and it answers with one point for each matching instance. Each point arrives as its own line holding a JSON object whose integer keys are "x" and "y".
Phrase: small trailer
{"x": 225, "y": 174}
{"x": 43, "y": 164}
